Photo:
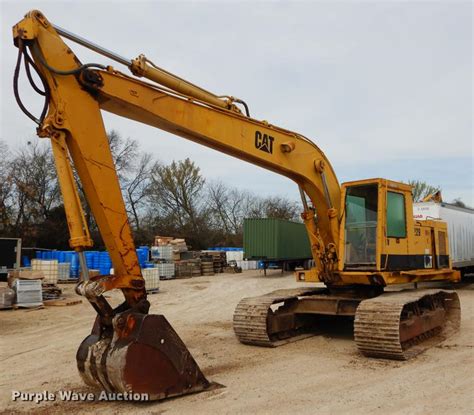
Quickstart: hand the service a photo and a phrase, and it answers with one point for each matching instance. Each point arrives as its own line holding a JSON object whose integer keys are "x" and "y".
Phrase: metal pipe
{"x": 142, "y": 66}
{"x": 92, "y": 46}
{"x": 83, "y": 265}
{"x": 326, "y": 189}
{"x": 303, "y": 199}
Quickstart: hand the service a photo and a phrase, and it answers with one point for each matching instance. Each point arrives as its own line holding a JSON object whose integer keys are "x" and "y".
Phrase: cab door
{"x": 360, "y": 227}
{"x": 395, "y": 253}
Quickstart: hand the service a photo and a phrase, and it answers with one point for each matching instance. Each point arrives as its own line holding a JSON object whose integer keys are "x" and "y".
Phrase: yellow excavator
{"x": 363, "y": 236}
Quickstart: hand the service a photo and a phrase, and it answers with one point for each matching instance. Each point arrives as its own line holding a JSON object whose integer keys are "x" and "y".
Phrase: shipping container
{"x": 275, "y": 239}
{"x": 460, "y": 223}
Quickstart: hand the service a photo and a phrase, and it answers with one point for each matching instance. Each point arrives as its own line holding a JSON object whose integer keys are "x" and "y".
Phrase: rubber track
{"x": 250, "y": 316}
{"x": 377, "y": 324}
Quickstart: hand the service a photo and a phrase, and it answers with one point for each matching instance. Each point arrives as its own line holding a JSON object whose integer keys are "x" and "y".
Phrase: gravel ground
{"x": 323, "y": 374}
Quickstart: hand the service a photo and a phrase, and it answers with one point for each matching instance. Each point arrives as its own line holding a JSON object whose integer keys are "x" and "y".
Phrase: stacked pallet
{"x": 163, "y": 240}
{"x": 207, "y": 265}
{"x": 190, "y": 255}
{"x": 24, "y": 273}
{"x": 168, "y": 248}
{"x": 188, "y": 268}
{"x": 51, "y": 291}
{"x": 218, "y": 260}
{"x": 179, "y": 246}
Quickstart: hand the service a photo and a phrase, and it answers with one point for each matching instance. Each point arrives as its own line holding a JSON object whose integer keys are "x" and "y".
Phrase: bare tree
{"x": 281, "y": 208}
{"x": 137, "y": 187}
{"x": 36, "y": 186}
{"x": 29, "y": 190}
{"x": 176, "y": 189}
{"x": 6, "y": 187}
{"x": 159, "y": 198}
{"x": 124, "y": 152}
{"x": 274, "y": 207}
{"x": 228, "y": 207}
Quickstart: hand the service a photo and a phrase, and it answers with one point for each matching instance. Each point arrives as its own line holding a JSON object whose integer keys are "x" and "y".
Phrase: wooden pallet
{"x": 62, "y": 302}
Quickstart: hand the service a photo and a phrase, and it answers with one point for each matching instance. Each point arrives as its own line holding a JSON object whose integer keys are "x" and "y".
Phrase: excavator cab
{"x": 376, "y": 226}
{"x": 380, "y": 234}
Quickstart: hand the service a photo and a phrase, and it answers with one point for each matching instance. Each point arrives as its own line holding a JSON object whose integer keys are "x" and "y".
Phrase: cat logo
{"x": 264, "y": 142}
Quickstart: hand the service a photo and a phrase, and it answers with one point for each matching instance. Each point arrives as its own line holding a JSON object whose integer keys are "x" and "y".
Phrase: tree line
{"x": 161, "y": 199}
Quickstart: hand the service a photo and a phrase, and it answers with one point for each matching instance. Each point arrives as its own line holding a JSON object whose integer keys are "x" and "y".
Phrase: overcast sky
{"x": 383, "y": 88}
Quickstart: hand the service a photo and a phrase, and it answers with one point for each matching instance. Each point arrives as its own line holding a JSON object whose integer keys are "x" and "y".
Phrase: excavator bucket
{"x": 142, "y": 354}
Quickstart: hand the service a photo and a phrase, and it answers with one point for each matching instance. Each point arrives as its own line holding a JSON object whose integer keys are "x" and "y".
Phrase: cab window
{"x": 361, "y": 225}
{"x": 396, "y": 219}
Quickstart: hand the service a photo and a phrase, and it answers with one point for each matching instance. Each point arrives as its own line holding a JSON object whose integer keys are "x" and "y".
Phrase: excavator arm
{"x": 75, "y": 94}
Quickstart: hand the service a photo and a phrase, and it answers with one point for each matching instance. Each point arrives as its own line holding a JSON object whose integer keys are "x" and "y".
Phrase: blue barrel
{"x": 104, "y": 256}
{"x": 97, "y": 259}
{"x": 104, "y": 263}
{"x": 90, "y": 255}
{"x": 139, "y": 256}
{"x": 67, "y": 256}
{"x": 26, "y": 261}
{"x": 145, "y": 250}
{"x": 74, "y": 270}
{"x": 142, "y": 255}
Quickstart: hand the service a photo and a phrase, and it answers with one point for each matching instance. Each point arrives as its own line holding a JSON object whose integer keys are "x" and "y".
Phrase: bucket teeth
{"x": 143, "y": 355}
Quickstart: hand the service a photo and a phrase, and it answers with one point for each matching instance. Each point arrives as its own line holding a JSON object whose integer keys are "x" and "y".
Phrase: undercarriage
{"x": 390, "y": 325}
